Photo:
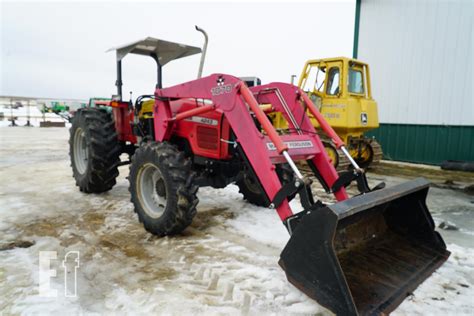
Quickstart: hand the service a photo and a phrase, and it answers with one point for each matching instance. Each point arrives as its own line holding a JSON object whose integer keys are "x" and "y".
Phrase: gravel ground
{"x": 224, "y": 263}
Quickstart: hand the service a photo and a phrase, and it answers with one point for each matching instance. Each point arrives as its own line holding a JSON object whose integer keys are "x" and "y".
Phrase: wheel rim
{"x": 366, "y": 156}
{"x": 81, "y": 151}
{"x": 151, "y": 190}
{"x": 332, "y": 155}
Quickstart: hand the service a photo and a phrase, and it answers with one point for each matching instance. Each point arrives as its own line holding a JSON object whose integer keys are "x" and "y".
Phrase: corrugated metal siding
{"x": 430, "y": 144}
{"x": 420, "y": 53}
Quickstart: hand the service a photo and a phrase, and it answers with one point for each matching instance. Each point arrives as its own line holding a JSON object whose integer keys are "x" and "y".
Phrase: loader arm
{"x": 263, "y": 150}
{"x": 360, "y": 256}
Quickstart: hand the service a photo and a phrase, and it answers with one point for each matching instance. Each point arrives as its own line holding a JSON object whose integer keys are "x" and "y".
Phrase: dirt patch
{"x": 207, "y": 218}
{"x": 46, "y": 227}
{"x": 469, "y": 189}
{"x": 16, "y": 244}
{"x": 93, "y": 220}
{"x": 55, "y": 226}
{"x": 129, "y": 244}
{"x": 441, "y": 177}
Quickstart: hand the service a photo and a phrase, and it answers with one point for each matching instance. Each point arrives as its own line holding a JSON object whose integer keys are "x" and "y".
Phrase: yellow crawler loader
{"x": 340, "y": 89}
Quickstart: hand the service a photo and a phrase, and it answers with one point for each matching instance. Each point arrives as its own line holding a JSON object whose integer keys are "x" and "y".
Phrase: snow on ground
{"x": 224, "y": 263}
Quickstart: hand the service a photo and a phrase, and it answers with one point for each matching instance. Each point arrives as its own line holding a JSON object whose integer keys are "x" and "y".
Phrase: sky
{"x": 58, "y": 49}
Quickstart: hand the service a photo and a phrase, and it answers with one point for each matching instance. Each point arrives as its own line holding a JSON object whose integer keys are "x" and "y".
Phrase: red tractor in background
{"x": 361, "y": 255}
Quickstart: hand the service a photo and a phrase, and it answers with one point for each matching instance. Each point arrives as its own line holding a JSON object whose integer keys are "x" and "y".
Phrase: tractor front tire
{"x": 162, "y": 188}
{"x": 94, "y": 150}
{"x": 252, "y": 192}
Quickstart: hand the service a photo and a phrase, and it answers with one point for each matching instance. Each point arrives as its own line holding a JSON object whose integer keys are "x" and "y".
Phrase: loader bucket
{"x": 363, "y": 256}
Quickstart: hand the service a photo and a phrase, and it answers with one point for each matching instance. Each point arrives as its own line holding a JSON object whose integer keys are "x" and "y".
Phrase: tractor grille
{"x": 207, "y": 137}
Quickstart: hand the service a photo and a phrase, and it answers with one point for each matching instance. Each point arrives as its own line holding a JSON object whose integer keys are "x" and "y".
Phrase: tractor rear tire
{"x": 94, "y": 150}
{"x": 162, "y": 188}
{"x": 252, "y": 192}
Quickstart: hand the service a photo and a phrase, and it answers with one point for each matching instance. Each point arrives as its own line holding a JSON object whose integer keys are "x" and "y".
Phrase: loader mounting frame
{"x": 238, "y": 103}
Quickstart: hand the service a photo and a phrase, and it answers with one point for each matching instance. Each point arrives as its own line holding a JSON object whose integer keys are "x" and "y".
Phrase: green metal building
{"x": 420, "y": 54}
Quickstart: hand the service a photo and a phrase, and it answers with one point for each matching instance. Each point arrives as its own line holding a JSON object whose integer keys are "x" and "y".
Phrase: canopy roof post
{"x": 159, "y": 73}
{"x": 118, "y": 83}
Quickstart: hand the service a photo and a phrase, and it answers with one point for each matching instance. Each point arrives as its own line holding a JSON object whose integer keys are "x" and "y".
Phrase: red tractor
{"x": 361, "y": 255}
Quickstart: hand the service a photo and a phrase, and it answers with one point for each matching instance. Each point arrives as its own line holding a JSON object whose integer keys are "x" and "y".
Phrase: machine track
{"x": 343, "y": 162}
{"x": 377, "y": 152}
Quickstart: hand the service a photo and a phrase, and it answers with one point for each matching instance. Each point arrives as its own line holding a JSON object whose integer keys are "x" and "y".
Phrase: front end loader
{"x": 359, "y": 256}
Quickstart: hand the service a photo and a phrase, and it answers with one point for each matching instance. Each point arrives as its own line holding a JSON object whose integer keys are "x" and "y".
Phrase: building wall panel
{"x": 431, "y": 144}
{"x": 420, "y": 53}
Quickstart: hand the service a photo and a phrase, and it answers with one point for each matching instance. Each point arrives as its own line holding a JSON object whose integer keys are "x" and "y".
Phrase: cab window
{"x": 315, "y": 79}
{"x": 333, "y": 81}
{"x": 356, "y": 81}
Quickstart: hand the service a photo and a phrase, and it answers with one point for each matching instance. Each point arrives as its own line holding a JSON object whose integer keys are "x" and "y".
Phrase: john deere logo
{"x": 363, "y": 118}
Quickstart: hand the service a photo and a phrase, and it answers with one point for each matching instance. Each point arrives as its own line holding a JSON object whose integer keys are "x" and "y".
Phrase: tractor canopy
{"x": 162, "y": 51}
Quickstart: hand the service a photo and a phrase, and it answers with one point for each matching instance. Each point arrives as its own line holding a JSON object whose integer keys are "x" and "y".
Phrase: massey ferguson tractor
{"x": 360, "y": 256}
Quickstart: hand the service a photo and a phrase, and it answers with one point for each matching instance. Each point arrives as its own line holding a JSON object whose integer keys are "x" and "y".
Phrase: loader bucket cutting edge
{"x": 363, "y": 256}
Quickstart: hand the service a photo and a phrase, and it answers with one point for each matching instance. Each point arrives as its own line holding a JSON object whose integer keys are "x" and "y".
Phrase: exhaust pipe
{"x": 204, "y": 49}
